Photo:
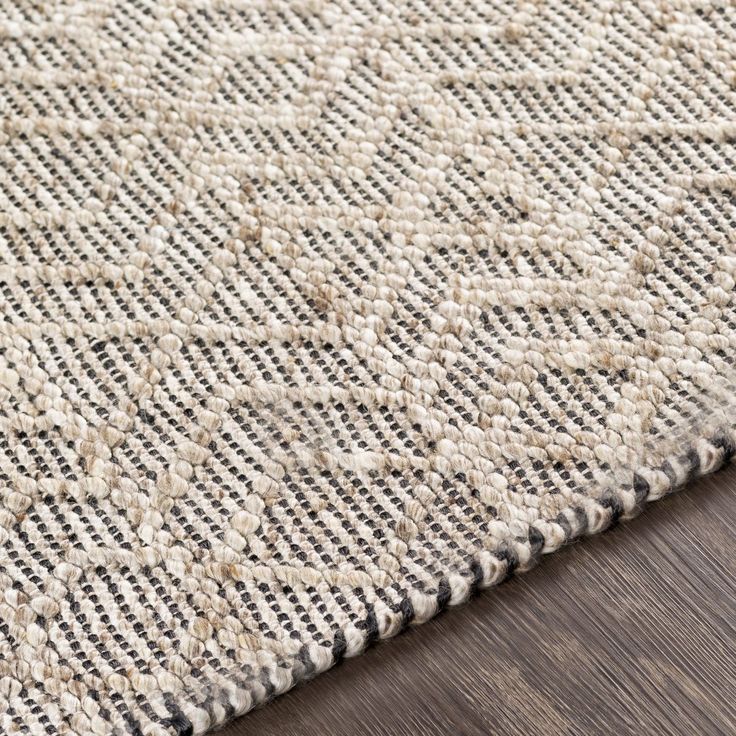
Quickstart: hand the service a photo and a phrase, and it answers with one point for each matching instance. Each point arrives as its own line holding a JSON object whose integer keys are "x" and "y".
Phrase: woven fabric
{"x": 318, "y": 316}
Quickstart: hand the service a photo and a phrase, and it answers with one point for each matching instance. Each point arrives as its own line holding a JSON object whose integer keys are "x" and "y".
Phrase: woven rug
{"x": 319, "y": 316}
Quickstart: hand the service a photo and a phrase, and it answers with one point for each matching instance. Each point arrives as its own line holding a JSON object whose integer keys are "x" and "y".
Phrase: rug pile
{"x": 318, "y": 316}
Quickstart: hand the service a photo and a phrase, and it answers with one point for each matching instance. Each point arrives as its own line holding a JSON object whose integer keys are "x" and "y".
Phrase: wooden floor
{"x": 630, "y": 632}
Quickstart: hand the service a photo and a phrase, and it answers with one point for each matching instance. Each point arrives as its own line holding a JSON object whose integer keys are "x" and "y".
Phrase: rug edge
{"x": 216, "y": 703}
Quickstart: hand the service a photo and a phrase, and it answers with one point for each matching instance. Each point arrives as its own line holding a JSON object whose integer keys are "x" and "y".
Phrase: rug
{"x": 318, "y": 316}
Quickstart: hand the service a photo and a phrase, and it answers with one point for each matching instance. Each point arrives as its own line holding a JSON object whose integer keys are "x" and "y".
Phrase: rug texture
{"x": 318, "y": 316}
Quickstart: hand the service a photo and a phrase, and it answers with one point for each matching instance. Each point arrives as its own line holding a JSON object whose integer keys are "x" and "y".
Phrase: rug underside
{"x": 319, "y": 316}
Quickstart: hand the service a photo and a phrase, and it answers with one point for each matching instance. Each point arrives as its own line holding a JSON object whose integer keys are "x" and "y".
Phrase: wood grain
{"x": 630, "y": 632}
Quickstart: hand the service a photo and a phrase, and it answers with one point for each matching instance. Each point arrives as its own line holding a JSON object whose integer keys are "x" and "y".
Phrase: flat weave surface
{"x": 628, "y": 633}
{"x": 319, "y": 316}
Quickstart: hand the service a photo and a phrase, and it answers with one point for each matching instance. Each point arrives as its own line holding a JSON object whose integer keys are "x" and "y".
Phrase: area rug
{"x": 319, "y": 316}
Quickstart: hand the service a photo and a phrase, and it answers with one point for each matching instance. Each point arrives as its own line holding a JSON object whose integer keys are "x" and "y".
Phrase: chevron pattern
{"x": 317, "y": 316}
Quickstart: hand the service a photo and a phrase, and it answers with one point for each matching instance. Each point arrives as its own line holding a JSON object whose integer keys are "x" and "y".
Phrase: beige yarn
{"x": 317, "y": 316}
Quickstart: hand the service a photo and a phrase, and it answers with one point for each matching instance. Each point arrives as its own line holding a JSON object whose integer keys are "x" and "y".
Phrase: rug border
{"x": 214, "y": 704}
